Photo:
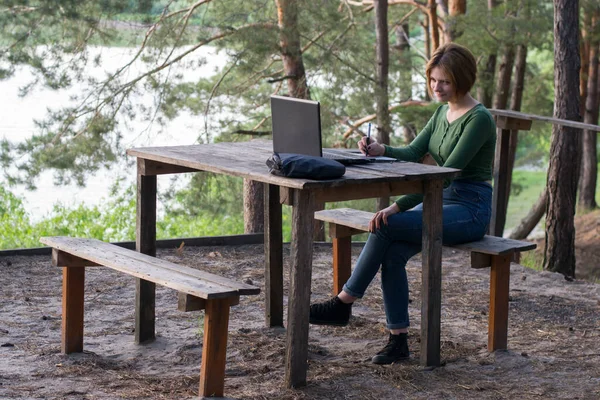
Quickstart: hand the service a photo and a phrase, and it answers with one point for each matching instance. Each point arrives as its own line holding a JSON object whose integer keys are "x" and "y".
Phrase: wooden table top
{"x": 248, "y": 160}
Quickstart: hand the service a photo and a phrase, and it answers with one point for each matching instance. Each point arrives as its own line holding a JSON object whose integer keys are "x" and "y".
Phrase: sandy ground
{"x": 554, "y": 337}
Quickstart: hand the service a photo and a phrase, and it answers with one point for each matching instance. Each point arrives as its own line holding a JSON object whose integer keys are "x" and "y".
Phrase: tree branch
{"x": 189, "y": 10}
{"x": 262, "y": 121}
{"x": 369, "y": 4}
{"x": 19, "y": 9}
{"x": 371, "y": 117}
{"x": 252, "y": 132}
{"x": 214, "y": 89}
{"x": 282, "y": 78}
{"x": 81, "y": 111}
{"x": 353, "y": 68}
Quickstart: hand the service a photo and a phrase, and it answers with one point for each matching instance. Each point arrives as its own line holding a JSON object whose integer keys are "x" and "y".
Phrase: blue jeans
{"x": 466, "y": 215}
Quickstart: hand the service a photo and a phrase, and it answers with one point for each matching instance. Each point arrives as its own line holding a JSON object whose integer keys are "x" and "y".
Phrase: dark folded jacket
{"x": 292, "y": 165}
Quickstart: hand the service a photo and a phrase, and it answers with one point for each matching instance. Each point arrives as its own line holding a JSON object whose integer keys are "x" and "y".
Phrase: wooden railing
{"x": 509, "y": 123}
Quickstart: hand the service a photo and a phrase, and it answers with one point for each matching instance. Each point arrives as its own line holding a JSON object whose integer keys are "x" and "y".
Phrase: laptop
{"x": 297, "y": 129}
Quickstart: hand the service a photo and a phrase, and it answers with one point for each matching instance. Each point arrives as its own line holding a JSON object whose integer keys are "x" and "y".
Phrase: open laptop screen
{"x": 296, "y": 126}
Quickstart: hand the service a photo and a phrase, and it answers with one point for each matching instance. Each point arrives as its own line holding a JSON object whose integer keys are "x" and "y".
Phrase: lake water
{"x": 19, "y": 113}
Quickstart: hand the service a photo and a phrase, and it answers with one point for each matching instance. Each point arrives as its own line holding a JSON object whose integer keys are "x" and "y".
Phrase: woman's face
{"x": 441, "y": 86}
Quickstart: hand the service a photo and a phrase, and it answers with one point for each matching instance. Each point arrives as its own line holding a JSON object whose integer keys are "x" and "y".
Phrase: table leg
{"x": 273, "y": 257}
{"x": 145, "y": 243}
{"x": 431, "y": 273}
{"x": 296, "y": 361}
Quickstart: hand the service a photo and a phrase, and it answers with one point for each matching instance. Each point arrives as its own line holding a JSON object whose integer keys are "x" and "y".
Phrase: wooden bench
{"x": 197, "y": 290}
{"x": 491, "y": 251}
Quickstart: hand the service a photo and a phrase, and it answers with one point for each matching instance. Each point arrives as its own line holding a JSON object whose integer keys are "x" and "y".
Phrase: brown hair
{"x": 458, "y": 63}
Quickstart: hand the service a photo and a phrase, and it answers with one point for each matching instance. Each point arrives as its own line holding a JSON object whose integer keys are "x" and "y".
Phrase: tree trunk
{"x": 427, "y": 36}
{"x": 528, "y": 223}
{"x": 515, "y": 104}
{"x": 383, "y": 60}
{"x": 293, "y": 68}
{"x": 402, "y": 45}
{"x": 565, "y": 149}
{"x": 589, "y": 158}
{"x": 455, "y": 8}
{"x": 291, "y": 52}
{"x": 485, "y": 87}
{"x": 500, "y": 102}
{"x": 519, "y": 81}
{"x": 254, "y": 221}
{"x": 502, "y": 87}
{"x": 584, "y": 52}
{"x": 433, "y": 24}
{"x": 405, "y": 72}
{"x": 381, "y": 91}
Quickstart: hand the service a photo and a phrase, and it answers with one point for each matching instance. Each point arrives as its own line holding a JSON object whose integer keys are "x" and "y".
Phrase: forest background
{"x": 330, "y": 51}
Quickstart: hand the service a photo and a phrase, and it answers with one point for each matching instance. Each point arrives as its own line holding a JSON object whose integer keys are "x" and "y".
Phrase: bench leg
{"x": 342, "y": 260}
{"x": 214, "y": 347}
{"x": 72, "y": 310}
{"x": 145, "y": 314}
{"x": 498, "y": 318}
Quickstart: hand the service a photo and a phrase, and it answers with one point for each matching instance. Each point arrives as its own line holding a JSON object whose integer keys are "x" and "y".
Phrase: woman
{"x": 461, "y": 134}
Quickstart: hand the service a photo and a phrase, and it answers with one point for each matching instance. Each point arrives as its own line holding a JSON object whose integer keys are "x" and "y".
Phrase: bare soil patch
{"x": 554, "y": 337}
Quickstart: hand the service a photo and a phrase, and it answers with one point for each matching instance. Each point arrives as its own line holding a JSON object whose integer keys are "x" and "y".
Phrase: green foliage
{"x": 417, "y": 116}
{"x": 533, "y": 259}
{"x": 14, "y": 221}
{"x": 210, "y": 207}
{"x": 53, "y": 38}
{"x": 114, "y": 219}
{"x": 526, "y": 188}
{"x": 534, "y": 145}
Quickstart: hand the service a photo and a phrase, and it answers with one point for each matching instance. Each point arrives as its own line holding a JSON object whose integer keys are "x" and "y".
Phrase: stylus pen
{"x": 368, "y": 139}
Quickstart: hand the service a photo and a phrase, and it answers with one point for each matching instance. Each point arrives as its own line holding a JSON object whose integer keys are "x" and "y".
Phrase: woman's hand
{"x": 382, "y": 216}
{"x": 373, "y": 149}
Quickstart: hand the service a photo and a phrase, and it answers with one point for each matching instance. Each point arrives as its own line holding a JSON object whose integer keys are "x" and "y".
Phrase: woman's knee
{"x": 399, "y": 253}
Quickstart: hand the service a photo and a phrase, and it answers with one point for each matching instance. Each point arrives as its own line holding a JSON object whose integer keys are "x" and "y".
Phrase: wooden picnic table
{"x": 247, "y": 160}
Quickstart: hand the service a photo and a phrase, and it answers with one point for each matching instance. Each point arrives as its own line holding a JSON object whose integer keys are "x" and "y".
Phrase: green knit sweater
{"x": 468, "y": 143}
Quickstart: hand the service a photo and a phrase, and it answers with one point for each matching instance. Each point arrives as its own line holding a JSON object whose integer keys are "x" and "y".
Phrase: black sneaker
{"x": 331, "y": 312}
{"x": 395, "y": 350}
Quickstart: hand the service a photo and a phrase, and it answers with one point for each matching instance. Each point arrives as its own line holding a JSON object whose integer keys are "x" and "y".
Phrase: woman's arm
{"x": 478, "y": 130}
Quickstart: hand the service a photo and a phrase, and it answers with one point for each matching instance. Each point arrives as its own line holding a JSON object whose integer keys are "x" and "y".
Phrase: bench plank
{"x": 492, "y": 245}
{"x": 178, "y": 277}
{"x": 495, "y": 245}
{"x": 242, "y": 288}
